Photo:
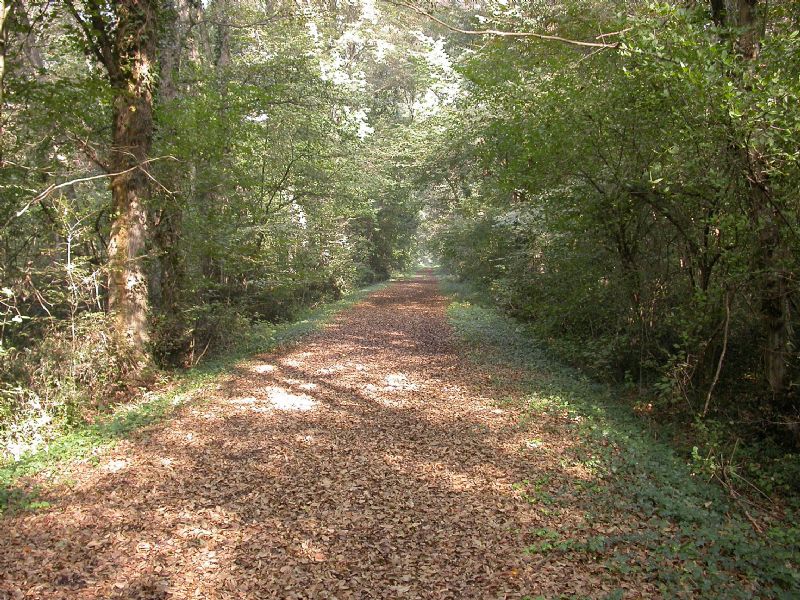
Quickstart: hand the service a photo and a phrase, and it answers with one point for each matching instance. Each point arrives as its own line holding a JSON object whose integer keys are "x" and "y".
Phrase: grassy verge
{"x": 87, "y": 441}
{"x": 647, "y": 509}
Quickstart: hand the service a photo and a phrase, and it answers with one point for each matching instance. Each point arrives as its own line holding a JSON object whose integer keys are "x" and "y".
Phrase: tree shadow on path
{"x": 368, "y": 461}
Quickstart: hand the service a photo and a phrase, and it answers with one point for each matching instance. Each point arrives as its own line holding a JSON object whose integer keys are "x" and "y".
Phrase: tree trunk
{"x": 133, "y": 82}
{"x": 774, "y": 289}
{"x": 168, "y": 274}
{"x": 749, "y": 17}
{"x": 27, "y": 43}
{"x": 773, "y": 285}
{"x": 5, "y": 9}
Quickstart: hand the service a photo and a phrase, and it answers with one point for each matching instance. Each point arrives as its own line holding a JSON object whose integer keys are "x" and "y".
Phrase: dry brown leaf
{"x": 364, "y": 462}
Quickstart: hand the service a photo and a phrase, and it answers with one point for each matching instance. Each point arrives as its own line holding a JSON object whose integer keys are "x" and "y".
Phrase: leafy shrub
{"x": 75, "y": 371}
{"x": 216, "y": 327}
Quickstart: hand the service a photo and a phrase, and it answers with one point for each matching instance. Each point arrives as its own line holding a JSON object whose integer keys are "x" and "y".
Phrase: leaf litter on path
{"x": 366, "y": 461}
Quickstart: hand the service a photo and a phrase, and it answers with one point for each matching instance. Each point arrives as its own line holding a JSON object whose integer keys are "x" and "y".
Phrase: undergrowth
{"x": 84, "y": 441}
{"x": 688, "y": 536}
{"x": 739, "y": 443}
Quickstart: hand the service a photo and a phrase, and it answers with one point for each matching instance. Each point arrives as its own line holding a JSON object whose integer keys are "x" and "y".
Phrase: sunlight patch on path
{"x": 332, "y": 370}
{"x": 303, "y": 385}
{"x": 249, "y": 403}
{"x": 243, "y": 401}
{"x": 399, "y": 382}
{"x": 282, "y": 399}
{"x": 116, "y": 465}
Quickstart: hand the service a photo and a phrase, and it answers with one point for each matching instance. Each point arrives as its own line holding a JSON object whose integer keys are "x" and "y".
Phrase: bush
{"x": 73, "y": 373}
{"x": 216, "y": 327}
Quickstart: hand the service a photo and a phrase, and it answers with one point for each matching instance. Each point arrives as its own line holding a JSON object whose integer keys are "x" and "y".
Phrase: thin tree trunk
{"x": 167, "y": 281}
{"x": 5, "y": 9}
{"x": 213, "y": 268}
{"x": 170, "y": 223}
{"x": 774, "y": 289}
{"x": 19, "y": 16}
{"x": 749, "y": 17}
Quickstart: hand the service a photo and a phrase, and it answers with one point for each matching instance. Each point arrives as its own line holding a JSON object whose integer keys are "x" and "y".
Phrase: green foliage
{"x": 636, "y": 207}
{"x": 76, "y": 370}
{"x": 275, "y": 186}
{"x": 679, "y": 530}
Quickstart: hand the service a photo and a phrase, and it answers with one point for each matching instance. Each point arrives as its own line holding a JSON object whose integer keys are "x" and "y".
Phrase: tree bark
{"x": 5, "y": 9}
{"x": 167, "y": 280}
{"x": 123, "y": 36}
{"x": 133, "y": 79}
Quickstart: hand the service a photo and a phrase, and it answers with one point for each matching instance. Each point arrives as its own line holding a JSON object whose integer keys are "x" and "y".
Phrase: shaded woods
{"x": 173, "y": 172}
{"x": 637, "y": 205}
{"x": 621, "y": 178}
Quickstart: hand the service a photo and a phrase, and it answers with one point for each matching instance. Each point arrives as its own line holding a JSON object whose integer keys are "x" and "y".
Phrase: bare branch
{"x": 509, "y": 34}
{"x": 89, "y": 151}
{"x": 54, "y": 187}
{"x": 722, "y": 354}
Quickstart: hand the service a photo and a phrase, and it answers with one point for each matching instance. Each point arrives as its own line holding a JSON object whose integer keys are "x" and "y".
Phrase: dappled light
{"x": 393, "y": 299}
{"x": 285, "y": 400}
{"x": 349, "y": 465}
{"x": 246, "y": 401}
{"x": 399, "y": 382}
{"x": 115, "y": 465}
{"x": 325, "y": 370}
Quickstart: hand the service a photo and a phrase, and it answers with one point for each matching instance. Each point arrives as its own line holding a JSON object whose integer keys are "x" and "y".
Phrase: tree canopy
{"x": 622, "y": 176}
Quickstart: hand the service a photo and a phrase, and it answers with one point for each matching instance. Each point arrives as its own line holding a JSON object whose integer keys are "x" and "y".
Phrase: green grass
{"x": 86, "y": 441}
{"x": 691, "y": 540}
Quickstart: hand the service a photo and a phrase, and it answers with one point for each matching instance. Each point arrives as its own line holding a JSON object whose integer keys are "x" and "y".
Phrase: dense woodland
{"x": 620, "y": 176}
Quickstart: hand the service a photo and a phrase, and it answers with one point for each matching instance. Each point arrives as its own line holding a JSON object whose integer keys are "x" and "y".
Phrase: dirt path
{"x": 366, "y": 462}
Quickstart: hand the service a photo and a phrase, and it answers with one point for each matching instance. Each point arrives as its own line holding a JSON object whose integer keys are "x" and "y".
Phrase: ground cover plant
{"x": 648, "y": 508}
{"x": 609, "y": 186}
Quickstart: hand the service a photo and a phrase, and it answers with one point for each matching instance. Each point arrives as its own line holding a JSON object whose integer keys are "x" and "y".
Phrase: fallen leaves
{"x": 365, "y": 462}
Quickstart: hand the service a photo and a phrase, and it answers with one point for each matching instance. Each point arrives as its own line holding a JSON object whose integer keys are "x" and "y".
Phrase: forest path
{"x": 371, "y": 460}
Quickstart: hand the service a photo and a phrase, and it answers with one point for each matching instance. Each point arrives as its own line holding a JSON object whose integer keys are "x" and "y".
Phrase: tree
{"x": 742, "y": 23}
{"x": 637, "y": 203}
{"x": 123, "y": 38}
{"x": 285, "y": 188}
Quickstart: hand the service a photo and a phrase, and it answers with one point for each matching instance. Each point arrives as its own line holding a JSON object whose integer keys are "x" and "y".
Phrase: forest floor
{"x": 373, "y": 459}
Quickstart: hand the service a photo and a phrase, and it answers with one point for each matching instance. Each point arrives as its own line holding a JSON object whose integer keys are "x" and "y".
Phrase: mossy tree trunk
{"x": 124, "y": 40}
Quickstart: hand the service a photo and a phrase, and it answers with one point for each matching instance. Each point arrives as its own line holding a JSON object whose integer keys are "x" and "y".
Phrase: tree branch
{"x": 509, "y": 34}
{"x": 53, "y": 187}
{"x": 722, "y": 354}
{"x": 95, "y": 29}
